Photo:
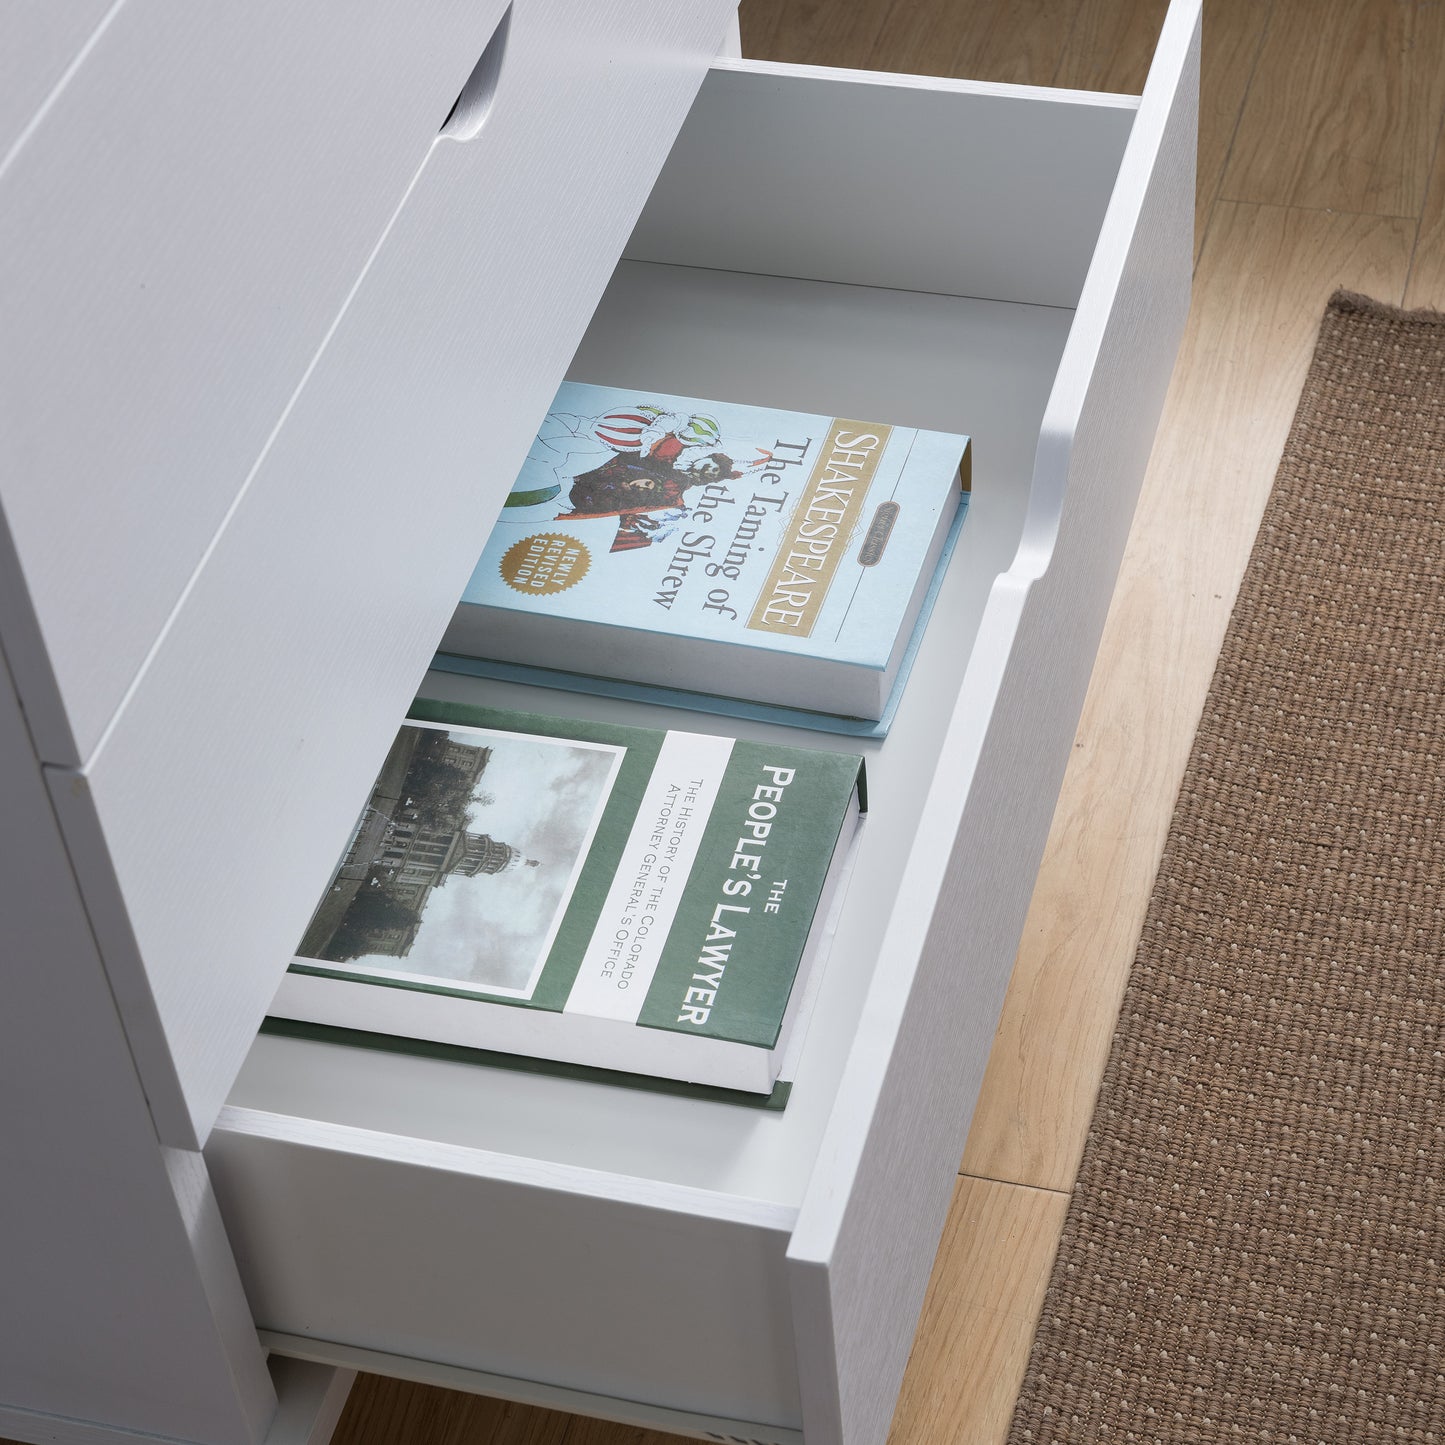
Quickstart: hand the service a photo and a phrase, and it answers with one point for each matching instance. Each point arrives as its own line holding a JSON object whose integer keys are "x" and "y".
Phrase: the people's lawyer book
{"x": 617, "y": 897}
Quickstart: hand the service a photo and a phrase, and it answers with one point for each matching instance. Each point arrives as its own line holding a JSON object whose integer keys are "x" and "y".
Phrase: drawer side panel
{"x": 871, "y": 1221}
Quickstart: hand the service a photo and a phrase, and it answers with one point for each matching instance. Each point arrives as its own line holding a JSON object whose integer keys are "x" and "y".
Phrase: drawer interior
{"x": 1008, "y": 262}
{"x": 945, "y": 305}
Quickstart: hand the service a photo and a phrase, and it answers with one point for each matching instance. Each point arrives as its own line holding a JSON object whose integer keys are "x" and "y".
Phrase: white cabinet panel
{"x": 179, "y": 231}
{"x": 120, "y": 1300}
{"x": 205, "y": 826}
{"x": 39, "y": 41}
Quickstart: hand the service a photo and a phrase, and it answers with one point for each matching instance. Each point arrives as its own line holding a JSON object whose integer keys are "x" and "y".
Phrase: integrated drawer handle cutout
{"x": 474, "y": 104}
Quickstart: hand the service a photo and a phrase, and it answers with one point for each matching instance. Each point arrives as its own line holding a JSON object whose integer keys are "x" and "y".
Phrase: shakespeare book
{"x": 704, "y": 546}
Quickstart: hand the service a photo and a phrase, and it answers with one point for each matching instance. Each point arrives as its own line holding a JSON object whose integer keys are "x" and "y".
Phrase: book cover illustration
{"x": 779, "y": 531}
{"x": 559, "y": 874}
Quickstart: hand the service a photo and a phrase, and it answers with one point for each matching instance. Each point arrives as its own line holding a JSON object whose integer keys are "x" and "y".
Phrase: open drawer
{"x": 1009, "y": 262}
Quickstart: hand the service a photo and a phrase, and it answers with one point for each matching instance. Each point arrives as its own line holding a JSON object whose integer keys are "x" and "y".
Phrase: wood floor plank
{"x": 1262, "y": 283}
{"x": 1111, "y": 45}
{"x": 1427, "y": 269}
{"x": 602, "y": 1432}
{"x": 382, "y": 1411}
{"x": 1344, "y": 109}
{"x": 810, "y": 32}
{"x": 1233, "y": 34}
{"x": 1018, "y": 44}
{"x": 979, "y": 1316}
{"x": 1013, "y": 41}
{"x": 389, "y": 1412}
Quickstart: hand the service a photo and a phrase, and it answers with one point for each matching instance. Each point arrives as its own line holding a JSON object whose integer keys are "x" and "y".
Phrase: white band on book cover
{"x": 621, "y": 960}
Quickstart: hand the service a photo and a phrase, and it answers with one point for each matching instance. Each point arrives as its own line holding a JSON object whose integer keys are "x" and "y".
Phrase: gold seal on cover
{"x": 545, "y": 563}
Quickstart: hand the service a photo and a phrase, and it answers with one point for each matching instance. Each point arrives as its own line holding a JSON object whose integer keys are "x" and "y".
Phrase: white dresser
{"x": 283, "y": 292}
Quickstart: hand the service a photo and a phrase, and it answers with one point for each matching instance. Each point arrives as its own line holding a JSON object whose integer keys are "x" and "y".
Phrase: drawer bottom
{"x": 529, "y": 1392}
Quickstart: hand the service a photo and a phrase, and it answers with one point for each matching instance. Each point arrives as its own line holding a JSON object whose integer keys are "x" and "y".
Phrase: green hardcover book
{"x": 587, "y": 893}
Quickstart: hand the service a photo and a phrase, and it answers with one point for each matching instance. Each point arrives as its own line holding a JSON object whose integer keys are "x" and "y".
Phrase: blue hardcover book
{"x": 711, "y": 547}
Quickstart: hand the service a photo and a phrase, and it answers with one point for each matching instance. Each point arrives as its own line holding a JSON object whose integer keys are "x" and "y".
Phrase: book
{"x": 589, "y": 893}
{"x": 775, "y": 556}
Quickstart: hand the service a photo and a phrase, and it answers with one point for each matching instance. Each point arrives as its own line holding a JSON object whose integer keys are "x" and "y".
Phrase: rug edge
{"x": 1356, "y": 303}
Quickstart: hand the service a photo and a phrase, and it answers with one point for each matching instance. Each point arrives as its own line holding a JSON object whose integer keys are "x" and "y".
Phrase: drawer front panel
{"x": 870, "y": 1223}
{"x": 558, "y": 1277}
{"x": 206, "y": 826}
{"x": 178, "y": 233}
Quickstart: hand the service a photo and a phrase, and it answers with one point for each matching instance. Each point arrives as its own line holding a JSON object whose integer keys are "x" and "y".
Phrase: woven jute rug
{"x": 1255, "y": 1250}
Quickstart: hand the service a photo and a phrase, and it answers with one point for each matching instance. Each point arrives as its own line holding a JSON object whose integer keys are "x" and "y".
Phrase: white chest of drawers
{"x": 270, "y": 349}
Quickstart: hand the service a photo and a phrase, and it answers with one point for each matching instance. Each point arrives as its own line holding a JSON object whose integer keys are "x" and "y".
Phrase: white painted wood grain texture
{"x": 262, "y": 1129}
{"x": 870, "y": 1223}
{"x": 39, "y": 41}
{"x": 178, "y": 233}
{"x": 121, "y": 1302}
{"x": 205, "y": 827}
{"x": 889, "y": 180}
{"x": 598, "y": 1284}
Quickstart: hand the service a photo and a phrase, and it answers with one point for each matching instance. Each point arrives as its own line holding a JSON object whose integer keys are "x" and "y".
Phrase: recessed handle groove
{"x": 474, "y": 104}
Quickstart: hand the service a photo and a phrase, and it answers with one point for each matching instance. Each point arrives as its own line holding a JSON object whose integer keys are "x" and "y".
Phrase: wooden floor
{"x": 1320, "y": 165}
